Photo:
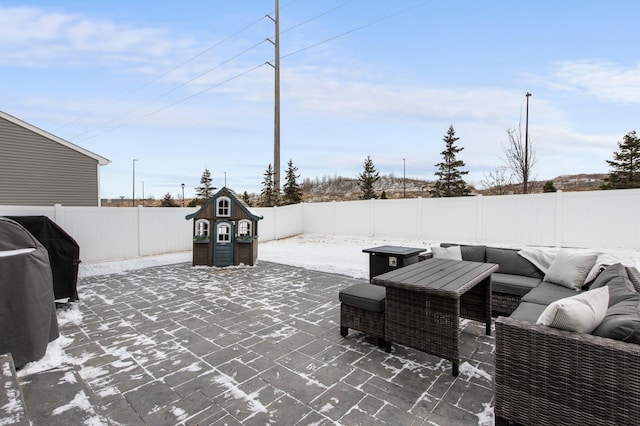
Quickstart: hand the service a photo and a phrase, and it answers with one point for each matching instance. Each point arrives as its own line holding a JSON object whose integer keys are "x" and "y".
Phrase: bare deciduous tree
{"x": 498, "y": 182}
{"x": 520, "y": 158}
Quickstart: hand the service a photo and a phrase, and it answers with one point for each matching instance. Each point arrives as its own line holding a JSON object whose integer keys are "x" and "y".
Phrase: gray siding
{"x": 37, "y": 171}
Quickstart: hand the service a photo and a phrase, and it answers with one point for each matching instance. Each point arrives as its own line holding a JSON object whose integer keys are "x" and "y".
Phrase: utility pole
{"x": 276, "y": 114}
{"x": 525, "y": 176}
{"x": 276, "y": 131}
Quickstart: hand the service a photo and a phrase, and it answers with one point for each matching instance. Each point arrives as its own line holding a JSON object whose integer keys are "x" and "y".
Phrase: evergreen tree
{"x": 205, "y": 190}
{"x": 625, "y": 164}
{"x": 168, "y": 201}
{"x": 292, "y": 190}
{"x": 383, "y": 196}
{"x": 246, "y": 199}
{"x": 549, "y": 187}
{"x": 450, "y": 182}
{"x": 268, "y": 195}
{"x": 367, "y": 179}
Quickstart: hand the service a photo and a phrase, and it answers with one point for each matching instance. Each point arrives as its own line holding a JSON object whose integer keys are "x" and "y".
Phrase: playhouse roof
{"x": 231, "y": 194}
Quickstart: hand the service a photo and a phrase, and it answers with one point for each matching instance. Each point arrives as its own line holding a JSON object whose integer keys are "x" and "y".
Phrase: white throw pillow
{"x": 542, "y": 258}
{"x": 569, "y": 269}
{"x": 452, "y": 252}
{"x": 582, "y": 313}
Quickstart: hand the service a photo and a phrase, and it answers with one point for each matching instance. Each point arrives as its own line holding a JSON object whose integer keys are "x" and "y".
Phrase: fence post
{"x": 58, "y": 215}
{"x": 558, "y": 219}
{"x": 139, "y": 221}
{"x": 479, "y": 217}
{"x": 419, "y": 226}
{"x": 275, "y": 223}
{"x": 372, "y": 223}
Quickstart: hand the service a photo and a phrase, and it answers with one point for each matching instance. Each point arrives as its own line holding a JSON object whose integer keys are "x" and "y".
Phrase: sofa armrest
{"x": 549, "y": 376}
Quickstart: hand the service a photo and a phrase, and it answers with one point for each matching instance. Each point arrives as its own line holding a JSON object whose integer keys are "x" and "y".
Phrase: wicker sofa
{"x": 545, "y": 375}
{"x": 516, "y": 275}
{"x": 549, "y": 376}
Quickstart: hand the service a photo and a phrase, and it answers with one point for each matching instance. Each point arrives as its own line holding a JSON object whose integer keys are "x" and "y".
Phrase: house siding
{"x": 37, "y": 171}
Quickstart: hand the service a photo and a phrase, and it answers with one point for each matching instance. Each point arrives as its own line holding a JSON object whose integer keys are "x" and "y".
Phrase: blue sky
{"x": 183, "y": 86}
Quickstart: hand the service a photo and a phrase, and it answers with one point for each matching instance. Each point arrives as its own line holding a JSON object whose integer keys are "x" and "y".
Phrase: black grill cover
{"x": 64, "y": 253}
{"x": 28, "y": 319}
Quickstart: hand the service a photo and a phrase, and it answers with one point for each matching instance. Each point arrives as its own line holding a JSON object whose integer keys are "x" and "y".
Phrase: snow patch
{"x": 474, "y": 372}
{"x": 486, "y": 418}
{"x": 71, "y": 315}
{"x": 232, "y": 388}
{"x": 80, "y": 401}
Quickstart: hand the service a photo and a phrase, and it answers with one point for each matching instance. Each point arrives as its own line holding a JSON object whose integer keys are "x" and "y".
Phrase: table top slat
{"x": 439, "y": 276}
{"x": 395, "y": 250}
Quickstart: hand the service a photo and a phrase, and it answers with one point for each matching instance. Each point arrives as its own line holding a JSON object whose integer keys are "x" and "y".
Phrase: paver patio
{"x": 244, "y": 345}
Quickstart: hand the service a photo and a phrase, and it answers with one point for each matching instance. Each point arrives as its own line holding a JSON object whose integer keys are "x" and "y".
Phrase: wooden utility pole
{"x": 276, "y": 115}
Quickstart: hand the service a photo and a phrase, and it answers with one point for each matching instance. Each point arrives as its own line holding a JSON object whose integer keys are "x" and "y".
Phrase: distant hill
{"x": 337, "y": 188}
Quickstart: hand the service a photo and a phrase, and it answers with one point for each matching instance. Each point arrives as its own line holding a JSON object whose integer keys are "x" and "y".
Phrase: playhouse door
{"x": 223, "y": 244}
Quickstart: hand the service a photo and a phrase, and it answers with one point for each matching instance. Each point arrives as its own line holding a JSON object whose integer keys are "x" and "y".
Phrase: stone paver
{"x": 248, "y": 345}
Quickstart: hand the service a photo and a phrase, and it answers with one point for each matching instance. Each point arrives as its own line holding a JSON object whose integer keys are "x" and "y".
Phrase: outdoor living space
{"x": 175, "y": 344}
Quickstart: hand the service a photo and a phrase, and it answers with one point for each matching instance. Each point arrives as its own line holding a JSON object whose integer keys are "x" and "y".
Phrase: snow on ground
{"x": 335, "y": 254}
{"x": 340, "y": 255}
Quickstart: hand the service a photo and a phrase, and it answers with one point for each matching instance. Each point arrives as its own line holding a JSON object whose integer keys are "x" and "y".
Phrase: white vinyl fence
{"x": 590, "y": 219}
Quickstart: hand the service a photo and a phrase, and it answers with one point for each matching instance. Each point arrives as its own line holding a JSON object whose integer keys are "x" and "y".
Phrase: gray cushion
{"x": 470, "y": 253}
{"x": 622, "y": 321}
{"x": 369, "y": 297}
{"x": 620, "y": 287}
{"x": 547, "y": 293}
{"x": 607, "y": 274}
{"x": 512, "y": 263}
{"x": 517, "y": 285}
{"x": 527, "y": 311}
{"x": 634, "y": 276}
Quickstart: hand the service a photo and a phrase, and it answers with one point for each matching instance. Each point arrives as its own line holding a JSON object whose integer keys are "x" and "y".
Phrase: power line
{"x": 172, "y": 90}
{"x": 179, "y": 101}
{"x": 363, "y": 26}
{"x": 164, "y": 74}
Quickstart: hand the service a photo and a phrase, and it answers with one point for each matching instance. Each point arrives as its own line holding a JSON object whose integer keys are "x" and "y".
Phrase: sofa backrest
{"x": 512, "y": 263}
{"x": 509, "y": 260}
{"x": 470, "y": 252}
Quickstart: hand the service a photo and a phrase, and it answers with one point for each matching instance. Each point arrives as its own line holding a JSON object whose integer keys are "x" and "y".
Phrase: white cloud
{"x": 56, "y": 38}
{"x": 605, "y": 80}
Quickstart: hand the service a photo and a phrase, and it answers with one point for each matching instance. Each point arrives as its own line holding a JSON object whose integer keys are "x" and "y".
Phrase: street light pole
{"x": 182, "y": 185}
{"x": 133, "y": 198}
{"x": 526, "y": 150}
{"x": 404, "y": 178}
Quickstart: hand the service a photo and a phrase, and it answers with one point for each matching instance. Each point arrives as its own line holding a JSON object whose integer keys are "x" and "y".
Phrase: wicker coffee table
{"x": 425, "y": 301}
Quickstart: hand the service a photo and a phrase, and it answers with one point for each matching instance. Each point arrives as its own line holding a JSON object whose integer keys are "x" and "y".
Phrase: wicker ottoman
{"x": 362, "y": 309}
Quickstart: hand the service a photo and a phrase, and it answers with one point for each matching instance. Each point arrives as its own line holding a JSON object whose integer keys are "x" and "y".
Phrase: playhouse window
{"x": 202, "y": 229}
{"x": 224, "y": 233}
{"x": 244, "y": 228}
{"x": 224, "y": 206}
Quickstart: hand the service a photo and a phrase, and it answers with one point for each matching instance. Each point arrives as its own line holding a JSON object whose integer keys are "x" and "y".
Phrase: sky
{"x": 184, "y": 86}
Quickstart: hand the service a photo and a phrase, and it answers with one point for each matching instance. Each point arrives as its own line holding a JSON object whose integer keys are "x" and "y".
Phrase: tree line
{"x": 519, "y": 160}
